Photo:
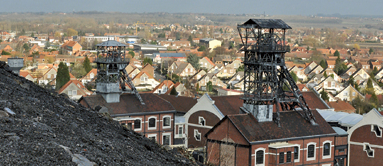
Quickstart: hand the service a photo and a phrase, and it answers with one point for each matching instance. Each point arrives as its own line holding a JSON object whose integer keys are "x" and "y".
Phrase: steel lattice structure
{"x": 267, "y": 79}
{"x": 111, "y": 73}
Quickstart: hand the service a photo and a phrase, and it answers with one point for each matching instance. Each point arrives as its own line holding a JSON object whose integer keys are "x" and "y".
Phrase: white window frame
{"x": 69, "y": 93}
{"x": 373, "y": 151}
{"x": 196, "y": 131}
{"x": 170, "y": 121}
{"x": 170, "y": 138}
{"x": 199, "y": 120}
{"x": 48, "y": 76}
{"x": 333, "y": 84}
{"x": 74, "y": 92}
{"x": 299, "y": 154}
{"x": 140, "y": 124}
{"x": 264, "y": 156}
{"x": 328, "y": 156}
{"x": 307, "y": 151}
{"x": 180, "y": 127}
{"x": 153, "y": 135}
{"x": 373, "y": 130}
{"x": 155, "y": 124}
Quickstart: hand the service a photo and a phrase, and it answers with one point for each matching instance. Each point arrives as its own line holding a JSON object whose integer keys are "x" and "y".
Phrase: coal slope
{"x": 40, "y": 127}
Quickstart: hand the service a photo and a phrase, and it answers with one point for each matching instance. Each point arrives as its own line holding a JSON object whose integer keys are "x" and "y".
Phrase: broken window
{"x": 377, "y": 130}
{"x": 201, "y": 121}
{"x": 369, "y": 151}
{"x": 197, "y": 135}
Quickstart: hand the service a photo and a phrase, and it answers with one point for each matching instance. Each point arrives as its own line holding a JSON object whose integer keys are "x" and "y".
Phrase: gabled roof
{"x": 180, "y": 103}
{"x": 24, "y": 73}
{"x": 79, "y": 85}
{"x": 181, "y": 67}
{"x": 292, "y": 126}
{"x": 167, "y": 83}
{"x": 343, "y": 118}
{"x": 141, "y": 73}
{"x": 208, "y": 60}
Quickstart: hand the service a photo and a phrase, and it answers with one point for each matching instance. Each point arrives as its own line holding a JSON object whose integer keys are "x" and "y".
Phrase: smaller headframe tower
{"x": 268, "y": 82}
{"x": 111, "y": 75}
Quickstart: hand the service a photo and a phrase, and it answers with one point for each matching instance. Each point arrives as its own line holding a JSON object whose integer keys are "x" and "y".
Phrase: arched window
{"x": 259, "y": 157}
{"x": 326, "y": 149}
{"x": 311, "y": 152}
{"x": 152, "y": 123}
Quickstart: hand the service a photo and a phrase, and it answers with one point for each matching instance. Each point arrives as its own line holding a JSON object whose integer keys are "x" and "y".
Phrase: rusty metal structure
{"x": 268, "y": 82}
{"x": 112, "y": 77}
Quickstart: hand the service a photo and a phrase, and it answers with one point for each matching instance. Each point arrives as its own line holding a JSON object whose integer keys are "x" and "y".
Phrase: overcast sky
{"x": 271, "y": 7}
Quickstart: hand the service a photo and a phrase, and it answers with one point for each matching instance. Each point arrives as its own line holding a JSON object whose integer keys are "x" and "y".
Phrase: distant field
{"x": 368, "y": 45}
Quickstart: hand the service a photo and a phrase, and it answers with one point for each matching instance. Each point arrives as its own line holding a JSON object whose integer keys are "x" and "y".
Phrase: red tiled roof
{"x": 24, "y": 73}
{"x": 76, "y": 82}
{"x": 168, "y": 83}
{"x": 292, "y": 126}
{"x": 208, "y": 60}
{"x": 342, "y": 106}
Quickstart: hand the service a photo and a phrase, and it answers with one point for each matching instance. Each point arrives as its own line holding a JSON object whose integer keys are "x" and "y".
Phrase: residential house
{"x": 210, "y": 77}
{"x": 362, "y": 73}
{"x": 182, "y": 69}
{"x": 299, "y": 72}
{"x": 48, "y": 76}
{"x": 193, "y": 79}
{"x": 144, "y": 80}
{"x": 365, "y": 65}
{"x": 377, "y": 89}
{"x": 74, "y": 89}
{"x": 346, "y": 75}
{"x": 331, "y": 73}
{"x": 330, "y": 84}
{"x": 375, "y": 64}
{"x": 71, "y": 47}
{"x": 349, "y": 94}
{"x": 237, "y": 77}
{"x": 149, "y": 69}
{"x": 365, "y": 140}
{"x": 379, "y": 74}
{"x": 181, "y": 90}
{"x": 210, "y": 43}
{"x": 134, "y": 72}
{"x": 236, "y": 63}
{"x": 27, "y": 75}
{"x": 163, "y": 87}
{"x": 226, "y": 72}
{"x": 129, "y": 68}
{"x": 331, "y": 64}
{"x": 226, "y": 59}
{"x": 316, "y": 70}
{"x": 309, "y": 67}
{"x": 206, "y": 63}
{"x": 91, "y": 75}
{"x": 160, "y": 57}
{"x": 302, "y": 87}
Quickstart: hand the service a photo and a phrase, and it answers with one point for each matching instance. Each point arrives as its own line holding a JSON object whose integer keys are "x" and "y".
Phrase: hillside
{"x": 40, "y": 127}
